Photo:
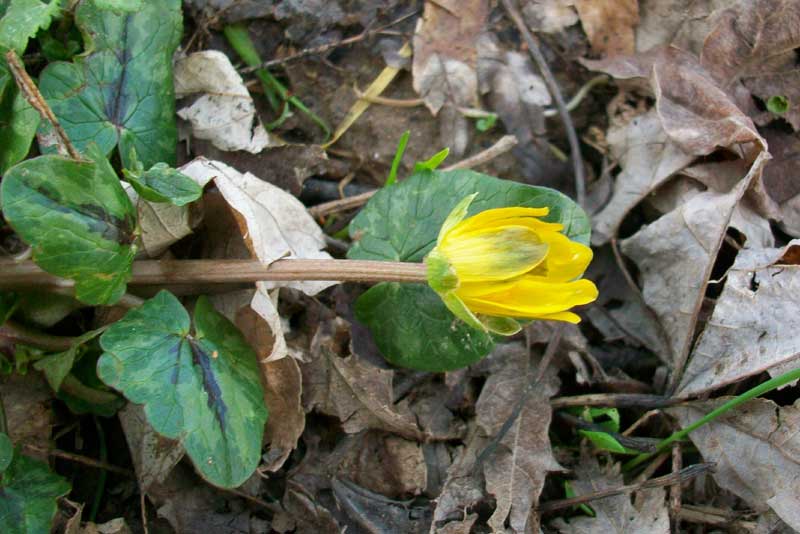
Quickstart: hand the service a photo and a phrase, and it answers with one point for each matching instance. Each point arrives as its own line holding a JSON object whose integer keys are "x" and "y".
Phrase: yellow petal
{"x": 532, "y": 297}
{"x": 497, "y": 217}
{"x": 566, "y": 259}
{"x": 494, "y": 253}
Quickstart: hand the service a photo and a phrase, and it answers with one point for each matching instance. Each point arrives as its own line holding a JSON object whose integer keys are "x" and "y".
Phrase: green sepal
{"x": 441, "y": 276}
{"x": 504, "y": 326}
{"x": 460, "y": 310}
{"x": 456, "y": 216}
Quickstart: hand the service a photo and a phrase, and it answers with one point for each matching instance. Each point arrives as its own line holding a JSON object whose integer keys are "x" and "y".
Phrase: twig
{"x": 555, "y": 91}
{"x": 385, "y": 101}
{"x": 614, "y": 400}
{"x": 37, "y": 101}
{"x": 579, "y": 96}
{"x": 503, "y": 145}
{"x": 675, "y": 489}
{"x": 191, "y": 272}
{"x": 330, "y": 46}
{"x": 28, "y": 336}
{"x": 72, "y": 457}
{"x": 680, "y": 477}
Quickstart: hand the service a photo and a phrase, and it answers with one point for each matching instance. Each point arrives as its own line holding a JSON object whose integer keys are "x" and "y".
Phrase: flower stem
{"x": 188, "y": 272}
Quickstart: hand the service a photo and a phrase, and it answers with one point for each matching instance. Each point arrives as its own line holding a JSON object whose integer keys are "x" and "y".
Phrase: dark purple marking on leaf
{"x": 116, "y": 105}
{"x": 202, "y": 359}
{"x": 97, "y": 219}
{"x": 175, "y": 351}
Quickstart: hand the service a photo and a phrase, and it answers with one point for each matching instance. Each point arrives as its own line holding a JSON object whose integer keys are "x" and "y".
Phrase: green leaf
{"x": 28, "y": 493}
{"x": 401, "y": 223}
{"x": 119, "y": 5}
{"x": 78, "y": 220}
{"x": 22, "y": 19}
{"x": 162, "y": 183}
{"x": 202, "y": 388}
{"x": 121, "y": 92}
{"x": 604, "y": 441}
{"x": 778, "y": 104}
{"x": 56, "y": 366}
{"x": 6, "y": 452}
{"x": 412, "y": 328}
{"x": 18, "y": 124}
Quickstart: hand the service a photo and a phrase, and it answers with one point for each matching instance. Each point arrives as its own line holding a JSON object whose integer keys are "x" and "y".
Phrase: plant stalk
{"x": 187, "y": 272}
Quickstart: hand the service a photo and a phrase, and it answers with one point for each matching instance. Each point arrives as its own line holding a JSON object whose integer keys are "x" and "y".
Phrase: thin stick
{"x": 503, "y": 145}
{"x": 37, "y": 101}
{"x": 680, "y": 477}
{"x": 91, "y": 462}
{"x": 614, "y": 400}
{"x": 330, "y": 46}
{"x": 189, "y": 272}
{"x": 555, "y": 92}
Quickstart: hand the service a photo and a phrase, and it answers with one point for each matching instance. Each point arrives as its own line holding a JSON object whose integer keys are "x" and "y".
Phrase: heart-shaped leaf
{"x": 411, "y": 325}
{"x": 201, "y": 388}
{"x": 78, "y": 220}
{"x": 28, "y": 493}
{"x": 120, "y": 92}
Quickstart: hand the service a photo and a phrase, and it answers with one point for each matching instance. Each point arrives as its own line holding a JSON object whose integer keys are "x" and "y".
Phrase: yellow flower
{"x": 506, "y": 264}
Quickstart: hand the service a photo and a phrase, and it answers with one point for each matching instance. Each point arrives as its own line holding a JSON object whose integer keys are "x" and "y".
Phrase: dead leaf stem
{"x": 555, "y": 92}
{"x": 36, "y": 100}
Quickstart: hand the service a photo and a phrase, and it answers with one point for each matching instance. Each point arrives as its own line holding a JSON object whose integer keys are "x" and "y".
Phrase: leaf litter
{"x": 693, "y": 244}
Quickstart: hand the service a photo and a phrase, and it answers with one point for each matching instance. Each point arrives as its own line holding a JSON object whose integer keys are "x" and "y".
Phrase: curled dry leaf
{"x": 516, "y": 470}
{"x": 609, "y": 24}
{"x": 549, "y": 16}
{"x": 224, "y": 113}
{"x": 345, "y": 387}
{"x": 615, "y": 514}
{"x": 675, "y": 255}
{"x": 444, "y": 65}
{"x": 680, "y": 23}
{"x": 648, "y": 158}
{"x": 753, "y": 328}
{"x": 756, "y": 451}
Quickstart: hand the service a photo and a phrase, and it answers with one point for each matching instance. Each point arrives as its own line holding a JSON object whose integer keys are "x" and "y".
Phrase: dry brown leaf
{"x": 675, "y": 255}
{"x": 781, "y": 180}
{"x": 648, "y": 158}
{"x": 115, "y": 526}
{"x": 444, "y": 65}
{"x": 373, "y": 512}
{"x": 756, "y": 451}
{"x": 616, "y": 514}
{"x": 27, "y": 401}
{"x": 153, "y": 455}
{"x": 549, "y": 16}
{"x": 225, "y": 113}
{"x": 695, "y": 112}
{"x": 359, "y": 394}
{"x": 753, "y": 44}
{"x": 516, "y": 470}
{"x": 754, "y": 325}
{"x": 680, "y": 23}
{"x": 609, "y": 24}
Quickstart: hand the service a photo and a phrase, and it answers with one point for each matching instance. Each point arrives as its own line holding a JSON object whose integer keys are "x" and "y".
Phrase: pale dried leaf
{"x": 615, "y": 514}
{"x": 516, "y": 470}
{"x": 444, "y": 64}
{"x": 681, "y": 23}
{"x": 359, "y": 394}
{"x": 648, "y": 158}
{"x": 754, "y": 324}
{"x": 756, "y": 451}
{"x": 609, "y": 24}
{"x": 549, "y": 16}
{"x": 675, "y": 255}
{"x": 283, "y": 392}
{"x": 273, "y": 222}
{"x": 115, "y": 526}
{"x": 153, "y": 455}
{"x": 225, "y": 113}
{"x": 752, "y": 43}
